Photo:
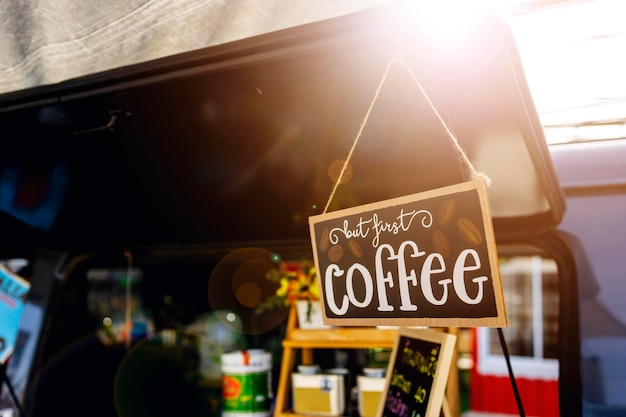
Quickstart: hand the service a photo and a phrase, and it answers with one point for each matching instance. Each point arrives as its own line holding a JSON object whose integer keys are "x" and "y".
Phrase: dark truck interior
{"x": 171, "y": 165}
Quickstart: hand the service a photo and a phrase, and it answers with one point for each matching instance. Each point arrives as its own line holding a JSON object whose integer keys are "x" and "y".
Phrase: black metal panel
{"x": 234, "y": 143}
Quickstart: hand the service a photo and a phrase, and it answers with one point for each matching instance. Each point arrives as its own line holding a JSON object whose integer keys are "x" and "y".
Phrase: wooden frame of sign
{"x": 426, "y": 259}
{"x": 417, "y": 374}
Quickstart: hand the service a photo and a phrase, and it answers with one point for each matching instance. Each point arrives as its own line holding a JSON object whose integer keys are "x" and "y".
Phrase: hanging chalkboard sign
{"x": 425, "y": 259}
{"x": 417, "y": 374}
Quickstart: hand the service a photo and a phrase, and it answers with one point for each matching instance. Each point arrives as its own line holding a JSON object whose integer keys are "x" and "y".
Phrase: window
{"x": 113, "y": 300}
{"x": 530, "y": 286}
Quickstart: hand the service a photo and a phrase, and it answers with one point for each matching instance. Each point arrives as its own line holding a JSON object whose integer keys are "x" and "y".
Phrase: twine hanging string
{"x": 455, "y": 143}
{"x": 475, "y": 174}
{"x": 360, "y": 132}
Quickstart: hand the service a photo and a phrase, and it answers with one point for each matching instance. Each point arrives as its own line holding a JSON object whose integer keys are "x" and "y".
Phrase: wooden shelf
{"x": 334, "y": 338}
{"x": 308, "y": 339}
{"x": 345, "y": 337}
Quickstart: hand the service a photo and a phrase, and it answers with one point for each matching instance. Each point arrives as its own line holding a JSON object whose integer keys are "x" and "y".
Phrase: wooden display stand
{"x": 343, "y": 338}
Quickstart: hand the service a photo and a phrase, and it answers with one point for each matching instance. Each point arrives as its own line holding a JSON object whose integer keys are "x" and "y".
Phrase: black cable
{"x": 9, "y": 385}
{"x": 505, "y": 350}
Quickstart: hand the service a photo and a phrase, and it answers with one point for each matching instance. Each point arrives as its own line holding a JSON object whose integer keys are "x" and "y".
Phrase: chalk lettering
{"x": 331, "y": 272}
{"x": 459, "y": 273}
{"x": 369, "y": 286}
{"x": 427, "y": 288}
{"x": 420, "y": 394}
{"x": 401, "y": 223}
{"x": 404, "y": 277}
{"x": 421, "y": 363}
{"x": 398, "y": 380}
{"x": 382, "y": 279}
{"x": 396, "y": 405}
{"x": 348, "y": 233}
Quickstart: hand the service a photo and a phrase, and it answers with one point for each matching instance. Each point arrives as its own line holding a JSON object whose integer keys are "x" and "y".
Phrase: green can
{"x": 246, "y": 383}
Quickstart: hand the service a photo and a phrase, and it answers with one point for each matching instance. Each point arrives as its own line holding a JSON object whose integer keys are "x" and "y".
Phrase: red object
{"x": 494, "y": 394}
{"x": 231, "y": 387}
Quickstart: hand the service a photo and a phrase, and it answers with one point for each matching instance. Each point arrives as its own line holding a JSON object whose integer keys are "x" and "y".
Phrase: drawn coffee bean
{"x": 441, "y": 244}
{"x": 355, "y": 249}
{"x": 324, "y": 240}
{"x": 469, "y": 232}
{"x": 446, "y": 212}
{"x": 335, "y": 253}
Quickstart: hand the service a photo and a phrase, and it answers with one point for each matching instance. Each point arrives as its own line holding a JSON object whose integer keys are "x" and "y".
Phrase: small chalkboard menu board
{"x": 417, "y": 374}
{"x": 427, "y": 259}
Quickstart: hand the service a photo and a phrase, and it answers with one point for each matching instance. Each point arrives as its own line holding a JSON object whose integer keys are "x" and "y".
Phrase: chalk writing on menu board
{"x": 417, "y": 374}
{"x": 425, "y": 259}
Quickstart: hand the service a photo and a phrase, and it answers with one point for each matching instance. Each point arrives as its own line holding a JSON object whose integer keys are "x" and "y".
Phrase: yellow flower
{"x": 295, "y": 283}
{"x": 315, "y": 290}
{"x": 284, "y": 286}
